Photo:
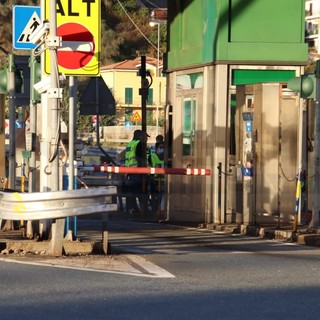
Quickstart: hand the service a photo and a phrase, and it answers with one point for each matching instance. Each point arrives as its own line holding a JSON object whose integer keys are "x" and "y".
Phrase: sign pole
{"x": 144, "y": 96}
{"x": 72, "y": 128}
{"x": 2, "y": 144}
{"x": 73, "y": 84}
{"x": 53, "y": 102}
{"x": 12, "y": 120}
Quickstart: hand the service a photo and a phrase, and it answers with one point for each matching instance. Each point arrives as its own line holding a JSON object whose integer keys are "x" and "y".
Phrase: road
{"x": 176, "y": 273}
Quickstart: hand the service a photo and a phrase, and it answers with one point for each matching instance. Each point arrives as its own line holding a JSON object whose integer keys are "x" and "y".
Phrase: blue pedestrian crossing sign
{"x": 26, "y": 19}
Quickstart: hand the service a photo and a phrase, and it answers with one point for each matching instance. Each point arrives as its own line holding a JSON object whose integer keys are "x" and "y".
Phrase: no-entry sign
{"x": 78, "y": 24}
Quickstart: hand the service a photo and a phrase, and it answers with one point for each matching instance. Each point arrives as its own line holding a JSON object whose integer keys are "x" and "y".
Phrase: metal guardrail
{"x": 56, "y": 204}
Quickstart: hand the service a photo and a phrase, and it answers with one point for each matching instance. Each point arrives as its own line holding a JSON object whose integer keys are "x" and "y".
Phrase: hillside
{"x": 124, "y": 27}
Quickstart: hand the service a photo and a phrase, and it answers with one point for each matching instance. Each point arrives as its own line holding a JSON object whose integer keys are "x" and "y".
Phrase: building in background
{"x": 312, "y": 34}
{"x": 124, "y": 82}
{"x": 312, "y": 24}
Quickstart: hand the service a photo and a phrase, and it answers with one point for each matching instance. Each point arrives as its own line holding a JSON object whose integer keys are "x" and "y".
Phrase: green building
{"x": 229, "y": 109}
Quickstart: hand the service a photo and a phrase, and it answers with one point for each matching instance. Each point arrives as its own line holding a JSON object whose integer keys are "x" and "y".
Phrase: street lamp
{"x": 152, "y": 24}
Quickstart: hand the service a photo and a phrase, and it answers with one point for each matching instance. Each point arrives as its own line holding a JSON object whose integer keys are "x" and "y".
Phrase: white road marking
{"x": 150, "y": 267}
{"x": 140, "y": 267}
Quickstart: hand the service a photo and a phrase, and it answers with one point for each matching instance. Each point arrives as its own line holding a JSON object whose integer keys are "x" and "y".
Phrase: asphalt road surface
{"x": 165, "y": 272}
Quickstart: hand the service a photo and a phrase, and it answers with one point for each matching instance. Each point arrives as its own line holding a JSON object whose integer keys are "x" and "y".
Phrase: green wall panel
{"x": 267, "y": 52}
{"x": 267, "y": 21}
{"x": 236, "y": 31}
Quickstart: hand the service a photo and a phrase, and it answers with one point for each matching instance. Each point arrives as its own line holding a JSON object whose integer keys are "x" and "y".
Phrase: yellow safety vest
{"x": 131, "y": 158}
{"x": 155, "y": 162}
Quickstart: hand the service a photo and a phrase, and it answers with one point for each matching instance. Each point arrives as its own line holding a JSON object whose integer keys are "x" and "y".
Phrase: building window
{"x": 150, "y": 96}
{"x": 189, "y": 126}
{"x": 128, "y": 95}
{"x": 190, "y": 81}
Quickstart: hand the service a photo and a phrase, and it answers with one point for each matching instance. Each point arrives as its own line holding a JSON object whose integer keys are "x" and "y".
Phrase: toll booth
{"x": 251, "y": 177}
{"x": 267, "y": 155}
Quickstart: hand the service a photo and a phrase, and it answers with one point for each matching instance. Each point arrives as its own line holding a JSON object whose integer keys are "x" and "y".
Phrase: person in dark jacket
{"x": 134, "y": 158}
{"x": 159, "y": 146}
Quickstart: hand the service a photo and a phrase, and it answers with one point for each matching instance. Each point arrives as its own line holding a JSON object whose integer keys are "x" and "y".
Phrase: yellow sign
{"x": 78, "y": 24}
{"x": 136, "y": 117}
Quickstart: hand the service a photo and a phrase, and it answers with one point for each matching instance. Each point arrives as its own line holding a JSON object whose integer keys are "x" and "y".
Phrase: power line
{"x": 125, "y": 11}
{"x": 152, "y": 4}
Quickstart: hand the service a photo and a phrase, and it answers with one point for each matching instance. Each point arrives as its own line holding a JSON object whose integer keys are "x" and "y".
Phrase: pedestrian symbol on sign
{"x": 31, "y": 26}
{"x": 26, "y": 19}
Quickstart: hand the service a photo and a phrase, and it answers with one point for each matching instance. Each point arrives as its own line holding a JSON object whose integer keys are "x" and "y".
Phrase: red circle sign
{"x": 74, "y": 59}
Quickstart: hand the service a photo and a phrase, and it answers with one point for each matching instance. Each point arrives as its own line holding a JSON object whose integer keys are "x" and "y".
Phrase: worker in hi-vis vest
{"x": 134, "y": 158}
{"x": 156, "y": 181}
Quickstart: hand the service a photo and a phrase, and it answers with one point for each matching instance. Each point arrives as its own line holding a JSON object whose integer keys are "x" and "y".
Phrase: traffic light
{"x": 305, "y": 85}
{"x": 18, "y": 81}
{"x": 35, "y": 77}
{"x": 3, "y": 82}
{"x": 22, "y": 80}
{"x": 19, "y": 66}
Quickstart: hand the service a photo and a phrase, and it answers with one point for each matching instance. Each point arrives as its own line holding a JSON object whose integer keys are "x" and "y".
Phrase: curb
{"x": 302, "y": 236}
{"x": 285, "y": 234}
{"x": 19, "y": 246}
{"x": 13, "y": 242}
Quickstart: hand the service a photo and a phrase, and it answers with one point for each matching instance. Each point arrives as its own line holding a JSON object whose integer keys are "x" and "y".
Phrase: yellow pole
{"x": 298, "y": 197}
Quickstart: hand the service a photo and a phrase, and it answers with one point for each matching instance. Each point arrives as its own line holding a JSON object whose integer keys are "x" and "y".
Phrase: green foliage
{"x": 123, "y": 36}
{"x": 6, "y": 27}
{"x": 128, "y": 27}
{"x": 120, "y": 38}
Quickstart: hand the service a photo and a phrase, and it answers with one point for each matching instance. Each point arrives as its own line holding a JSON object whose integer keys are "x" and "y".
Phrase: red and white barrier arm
{"x": 148, "y": 170}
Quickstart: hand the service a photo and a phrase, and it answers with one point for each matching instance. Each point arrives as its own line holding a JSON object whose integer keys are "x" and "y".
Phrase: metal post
{"x": 144, "y": 96}
{"x": 158, "y": 51}
{"x": 219, "y": 191}
{"x": 72, "y": 128}
{"x": 152, "y": 24}
{"x": 33, "y": 128}
{"x": 315, "y": 212}
{"x": 72, "y": 133}
{"x": 2, "y": 144}
{"x": 12, "y": 120}
{"x": 53, "y": 101}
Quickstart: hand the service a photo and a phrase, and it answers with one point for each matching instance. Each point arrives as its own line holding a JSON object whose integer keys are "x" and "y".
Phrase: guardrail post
{"x": 105, "y": 233}
{"x": 56, "y": 243}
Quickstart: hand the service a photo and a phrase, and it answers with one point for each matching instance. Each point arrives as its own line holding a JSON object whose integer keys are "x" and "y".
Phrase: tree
{"x": 125, "y": 34}
{"x": 6, "y": 27}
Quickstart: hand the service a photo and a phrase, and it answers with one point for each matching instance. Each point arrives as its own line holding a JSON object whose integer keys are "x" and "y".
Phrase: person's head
{"x": 137, "y": 135}
{"x": 159, "y": 138}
